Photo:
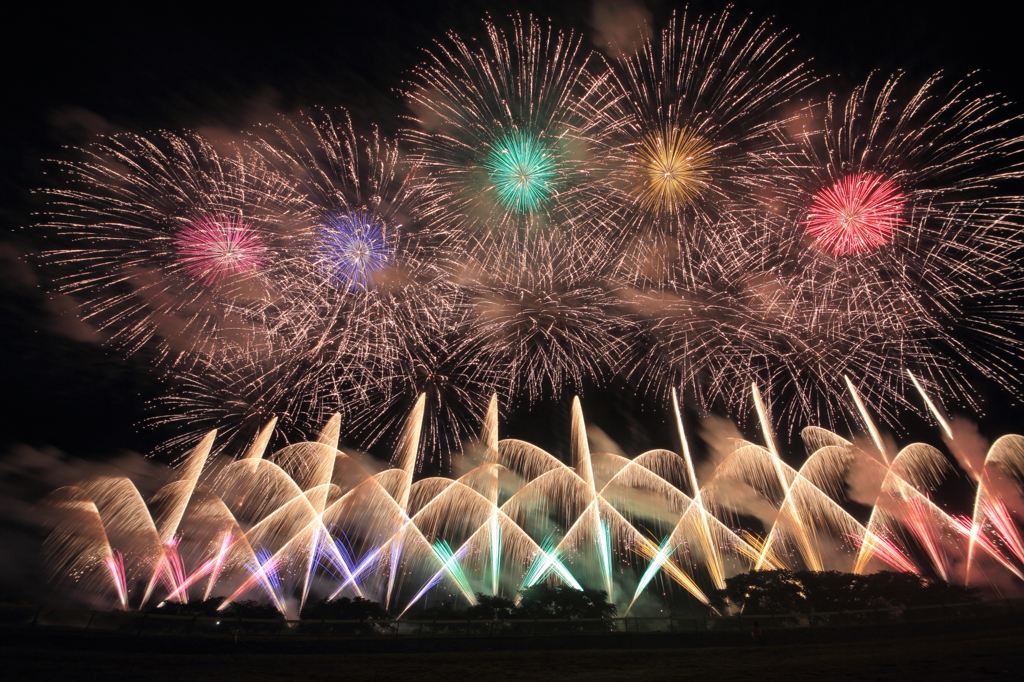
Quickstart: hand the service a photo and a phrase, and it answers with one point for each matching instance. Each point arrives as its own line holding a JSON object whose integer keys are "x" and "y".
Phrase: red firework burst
{"x": 856, "y": 214}
{"x": 212, "y": 247}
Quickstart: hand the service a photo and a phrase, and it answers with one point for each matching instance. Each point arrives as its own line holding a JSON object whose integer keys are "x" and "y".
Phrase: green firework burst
{"x": 522, "y": 170}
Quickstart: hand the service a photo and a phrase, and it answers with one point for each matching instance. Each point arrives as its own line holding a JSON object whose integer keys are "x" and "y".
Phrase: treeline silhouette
{"x": 540, "y": 602}
{"x": 754, "y": 593}
{"x": 782, "y": 591}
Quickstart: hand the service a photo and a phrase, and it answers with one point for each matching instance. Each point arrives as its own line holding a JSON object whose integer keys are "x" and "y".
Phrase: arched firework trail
{"x": 907, "y": 235}
{"x": 173, "y": 241}
{"x": 309, "y": 520}
{"x": 506, "y": 128}
{"x": 698, "y": 137}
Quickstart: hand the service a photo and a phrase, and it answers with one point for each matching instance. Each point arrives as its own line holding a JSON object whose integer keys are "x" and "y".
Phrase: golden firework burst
{"x": 673, "y": 168}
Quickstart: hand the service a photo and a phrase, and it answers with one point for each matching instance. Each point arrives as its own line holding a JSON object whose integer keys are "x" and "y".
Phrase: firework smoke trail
{"x": 696, "y": 139}
{"x": 506, "y": 128}
{"x": 170, "y": 239}
{"x": 906, "y": 235}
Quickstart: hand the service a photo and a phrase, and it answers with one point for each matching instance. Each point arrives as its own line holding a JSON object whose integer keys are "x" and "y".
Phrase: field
{"x": 970, "y": 654}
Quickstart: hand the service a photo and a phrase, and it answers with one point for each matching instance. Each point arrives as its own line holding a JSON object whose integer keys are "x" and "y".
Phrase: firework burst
{"x": 353, "y": 247}
{"x": 858, "y": 213}
{"x": 697, "y": 133}
{"x": 172, "y": 240}
{"x": 546, "y": 318}
{"x": 505, "y": 129}
{"x": 212, "y": 247}
{"x": 906, "y": 241}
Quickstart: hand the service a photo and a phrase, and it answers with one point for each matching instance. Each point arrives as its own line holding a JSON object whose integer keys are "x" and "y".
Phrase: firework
{"x": 172, "y": 240}
{"x": 368, "y": 310}
{"x": 212, "y": 247}
{"x": 522, "y": 171}
{"x": 284, "y": 526}
{"x": 506, "y": 128}
{"x": 905, "y": 238}
{"x": 858, "y": 213}
{"x": 563, "y": 221}
{"x": 353, "y": 247}
{"x": 546, "y": 319}
{"x": 697, "y": 137}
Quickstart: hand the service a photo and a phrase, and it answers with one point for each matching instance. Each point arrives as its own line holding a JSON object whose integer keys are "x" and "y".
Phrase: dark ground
{"x": 967, "y": 655}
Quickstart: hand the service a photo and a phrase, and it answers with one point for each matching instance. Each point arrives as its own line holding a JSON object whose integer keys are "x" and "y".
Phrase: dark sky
{"x": 71, "y": 73}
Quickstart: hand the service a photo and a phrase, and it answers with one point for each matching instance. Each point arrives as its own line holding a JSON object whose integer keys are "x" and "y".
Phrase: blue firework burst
{"x": 353, "y": 247}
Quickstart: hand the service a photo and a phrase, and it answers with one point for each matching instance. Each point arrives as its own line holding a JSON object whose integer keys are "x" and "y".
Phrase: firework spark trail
{"x": 664, "y": 552}
{"x": 709, "y": 547}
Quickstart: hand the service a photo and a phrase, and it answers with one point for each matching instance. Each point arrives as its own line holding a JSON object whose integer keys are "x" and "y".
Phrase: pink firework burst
{"x": 856, "y": 214}
{"x": 213, "y": 246}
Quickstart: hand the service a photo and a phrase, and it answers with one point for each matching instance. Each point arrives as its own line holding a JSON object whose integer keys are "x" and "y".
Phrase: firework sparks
{"x": 676, "y": 167}
{"x": 522, "y": 170}
{"x": 855, "y": 215}
{"x": 505, "y": 129}
{"x": 696, "y": 122}
{"x": 212, "y": 247}
{"x": 405, "y": 537}
{"x": 353, "y": 247}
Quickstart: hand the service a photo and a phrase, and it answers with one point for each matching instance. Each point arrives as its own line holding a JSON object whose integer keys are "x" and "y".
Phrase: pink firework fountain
{"x": 213, "y": 246}
{"x": 857, "y": 214}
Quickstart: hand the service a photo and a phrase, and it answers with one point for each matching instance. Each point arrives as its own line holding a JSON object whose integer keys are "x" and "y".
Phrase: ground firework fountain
{"x": 311, "y": 519}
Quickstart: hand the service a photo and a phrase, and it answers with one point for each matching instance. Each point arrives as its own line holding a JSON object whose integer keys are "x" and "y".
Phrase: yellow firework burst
{"x": 673, "y": 168}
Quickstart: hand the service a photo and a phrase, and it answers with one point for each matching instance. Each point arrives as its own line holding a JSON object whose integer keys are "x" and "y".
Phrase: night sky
{"x": 71, "y": 74}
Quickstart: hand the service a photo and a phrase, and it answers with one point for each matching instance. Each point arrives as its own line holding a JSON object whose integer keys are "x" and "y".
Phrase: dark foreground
{"x": 989, "y": 654}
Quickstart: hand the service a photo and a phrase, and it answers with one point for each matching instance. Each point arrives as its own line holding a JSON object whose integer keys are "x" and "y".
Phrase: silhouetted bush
{"x": 540, "y": 601}
{"x": 346, "y": 609}
{"x": 489, "y": 607}
{"x": 781, "y": 591}
{"x": 544, "y": 601}
{"x": 251, "y": 609}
